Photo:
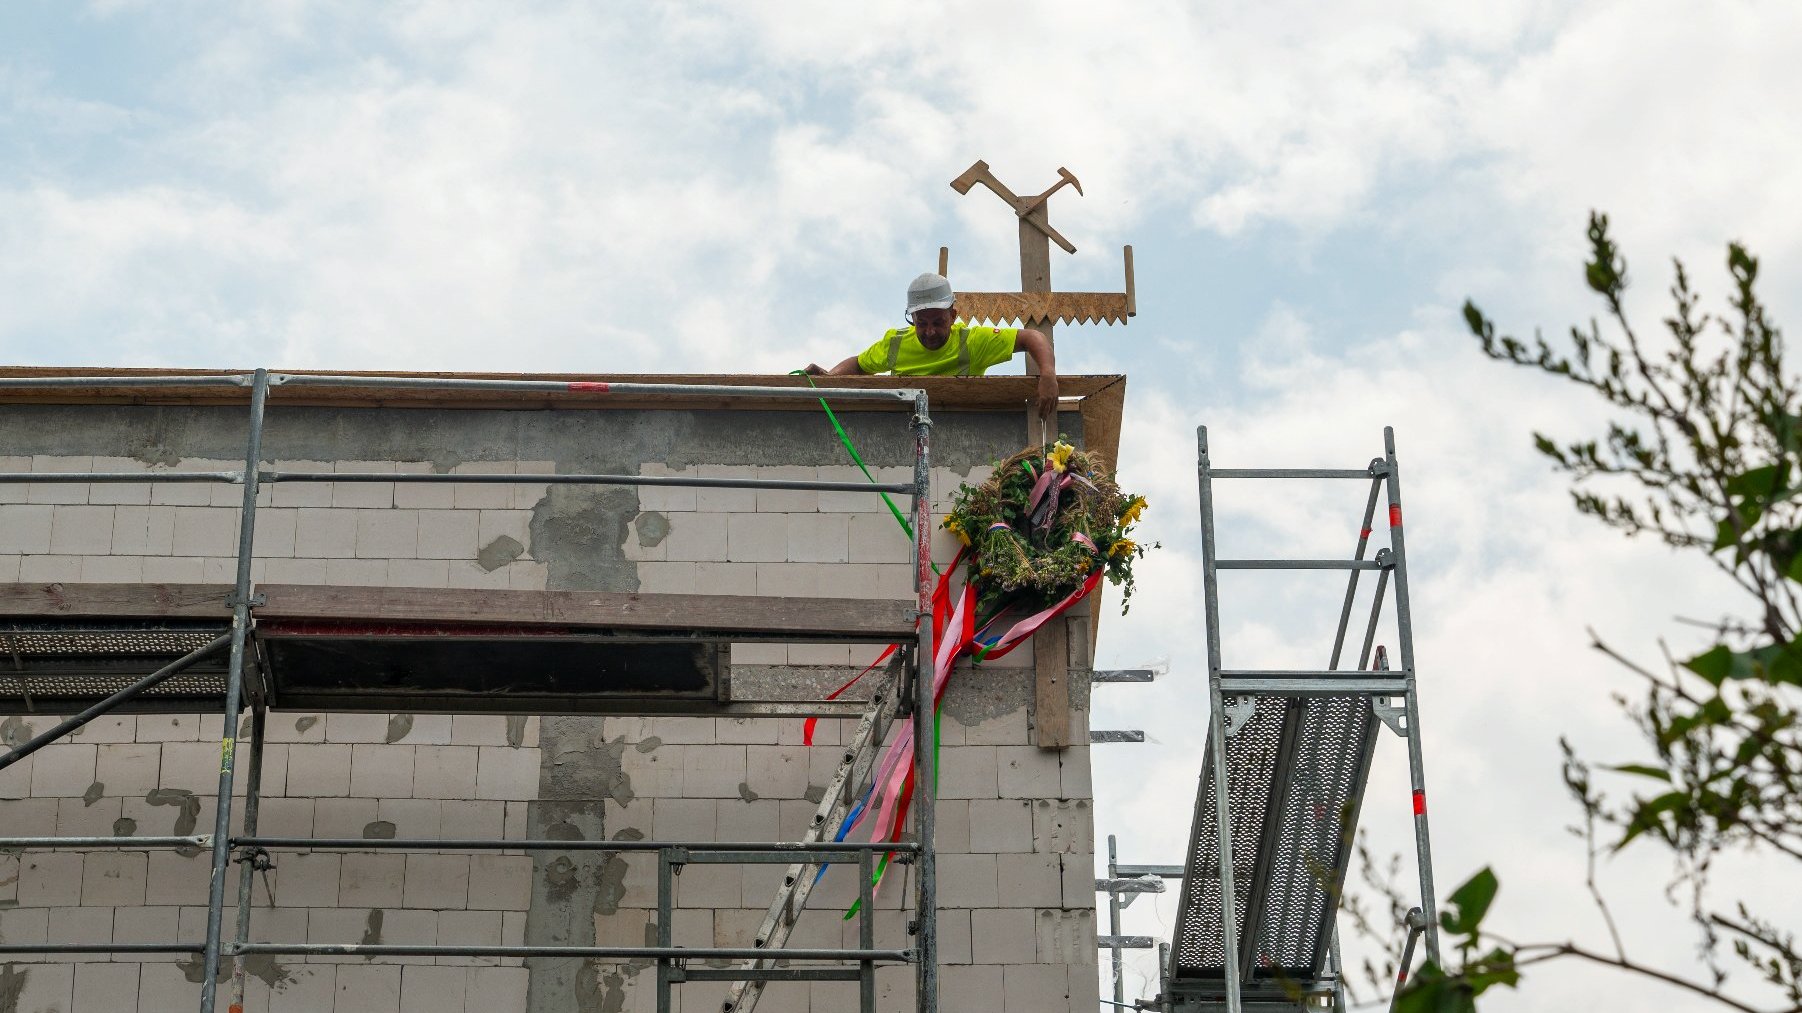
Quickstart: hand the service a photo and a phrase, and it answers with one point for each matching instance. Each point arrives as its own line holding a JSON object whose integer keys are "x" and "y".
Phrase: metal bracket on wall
{"x": 1239, "y": 710}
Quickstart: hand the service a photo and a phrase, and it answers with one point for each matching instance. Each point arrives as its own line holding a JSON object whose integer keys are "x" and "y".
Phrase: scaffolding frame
{"x": 252, "y": 851}
{"x": 1230, "y": 690}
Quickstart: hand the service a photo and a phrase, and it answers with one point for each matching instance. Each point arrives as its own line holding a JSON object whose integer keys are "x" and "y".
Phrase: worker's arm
{"x": 849, "y": 367}
{"x": 1038, "y": 346}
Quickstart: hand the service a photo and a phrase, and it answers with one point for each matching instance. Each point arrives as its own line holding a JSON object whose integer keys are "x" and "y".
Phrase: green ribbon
{"x": 857, "y": 458}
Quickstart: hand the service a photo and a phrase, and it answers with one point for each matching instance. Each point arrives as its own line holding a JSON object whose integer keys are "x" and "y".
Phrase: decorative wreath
{"x": 1046, "y": 519}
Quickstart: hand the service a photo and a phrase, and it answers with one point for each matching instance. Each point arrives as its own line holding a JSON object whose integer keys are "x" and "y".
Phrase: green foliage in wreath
{"x": 1035, "y": 553}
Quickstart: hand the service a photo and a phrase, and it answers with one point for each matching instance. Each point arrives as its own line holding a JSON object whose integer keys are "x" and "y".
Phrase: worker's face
{"x": 934, "y": 326}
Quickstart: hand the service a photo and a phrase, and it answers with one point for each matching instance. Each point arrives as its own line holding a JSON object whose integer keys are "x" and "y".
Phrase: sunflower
{"x": 1059, "y": 457}
{"x": 955, "y": 528}
{"x": 1131, "y": 514}
{"x": 1123, "y": 547}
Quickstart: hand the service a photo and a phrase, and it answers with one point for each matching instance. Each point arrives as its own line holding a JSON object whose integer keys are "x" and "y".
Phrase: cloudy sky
{"x": 1311, "y": 190}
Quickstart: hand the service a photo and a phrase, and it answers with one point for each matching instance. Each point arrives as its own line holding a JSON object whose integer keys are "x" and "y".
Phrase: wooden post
{"x": 1051, "y": 688}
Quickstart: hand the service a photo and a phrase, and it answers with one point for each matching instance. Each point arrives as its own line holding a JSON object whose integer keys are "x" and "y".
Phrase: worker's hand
{"x": 1048, "y": 404}
{"x": 814, "y": 369}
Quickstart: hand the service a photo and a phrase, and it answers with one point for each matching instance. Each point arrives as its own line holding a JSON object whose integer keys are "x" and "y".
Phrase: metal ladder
{"x": 1284, "y": 777}
{"x": 799, "y": 879}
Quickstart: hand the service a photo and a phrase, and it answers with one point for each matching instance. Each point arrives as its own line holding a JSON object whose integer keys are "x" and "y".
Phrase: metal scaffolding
{"x": 202, "y": 643}
{"x": 1283, "y": 780}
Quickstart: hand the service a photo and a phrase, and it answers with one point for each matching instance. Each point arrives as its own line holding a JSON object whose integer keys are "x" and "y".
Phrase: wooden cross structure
{"x": 1040, "y": 308}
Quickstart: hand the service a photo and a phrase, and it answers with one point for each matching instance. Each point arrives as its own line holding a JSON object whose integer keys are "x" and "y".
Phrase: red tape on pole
{"x": 1420, "y": 803}
{"x": 1395, "y": 515}
{"x": 598, "y": 388}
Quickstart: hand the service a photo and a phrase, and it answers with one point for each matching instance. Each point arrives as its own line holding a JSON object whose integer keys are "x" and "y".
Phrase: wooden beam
{"x": 793, "y": 618}
{"x": 121, "y": 601}
{"x": 1051, "y": 688}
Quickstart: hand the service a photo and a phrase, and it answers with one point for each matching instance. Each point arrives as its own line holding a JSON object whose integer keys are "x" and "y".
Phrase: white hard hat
{"x": 929, "y": 292}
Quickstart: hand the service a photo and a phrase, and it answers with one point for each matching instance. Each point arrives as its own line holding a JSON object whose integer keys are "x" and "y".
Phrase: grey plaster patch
{"x": 580, "y": 533}
{"x": 272, "y": 972}
{"x": 815, "y": 793}
{"x": 516, "y": 730}
{"x": 398, "y": 726}
{"x": 612, "y": 882}
{"x": 653, "y": 528}
{"x": 378, "y": 830}
{"x": 499, "y": 553}
{"x": 12, "y": 986}
{"x": 188, "y": 814}
{"x": 94, "y": 793}
{"x": 613, "y": 992}
{"x": 648, "y": 743}
{"x": 302, "y": 724}
{"x": 125, "y": 826}
{"x": 14, "y": 731}
{"x": 745, "y": 792}
{"x": 372, "y": 927}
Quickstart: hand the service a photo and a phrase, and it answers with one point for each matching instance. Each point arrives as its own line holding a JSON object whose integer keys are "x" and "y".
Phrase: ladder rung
{"x": 1312, "y": 684}
{"x": 1299, "y": 564}
{"x": 1292, "y": 473}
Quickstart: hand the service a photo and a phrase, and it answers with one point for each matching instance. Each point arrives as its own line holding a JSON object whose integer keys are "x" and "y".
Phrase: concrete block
{"x": 725, "y": 578}
{"x": 667, "y": 578}
{"x": 1074, "y": 772}
{"x": 356, "y": 572}
{"x": 25, "y": 528}
{"x": 968, "y": 772}
{"x": 285, "y": 817}
{"x": 503, "y": 772}
{"x": 419, "y": 729}
{"x": 712, "y": 886}
{"x": 469, "y": 928}
{"x": 818, "y": 655}
{"x": 302, "y": 494}
{"x": 105, "y": 987}
{"x": 528, "y": 575}
{"x": 1035, "y": 988}
{"x": 381, "y": 771}
{"x": 1065, "y": 937}
{"x": 696, "y": 537}
{"x": 967, "y": 881}
{"x": 174, "y": 727}
{"x": 973, "y": 988}
{"x": 127, "y": 768}
{"x": 294, "y": 728}
{"x": 779, "y": 772}
{"x": 788, "y": 500}
{"x": 58, "y": 492}
{"x": 1001, "y": 826}
{"x": 1030, "y": 880}
{"x": 951, "y": 830}
{"x": 209, "y": 531}
{"x": 746, "y": 731}
{"x": 371, "y": 988}
{"x": 26, "y": 925}
{"x": 756, "y": 538}
{"x": 484, "y": 495}
{"x": 437, "y": 881}
{"x": 325, "y": 533}
{"x": 366, "y": 495}
{"x": 343, "y": 817}
{"x": 683, "y": 819}
{"x": 850, "y": 580}
{"x": 191, "y": 766}
{"x": 876, "y": 538}
{"x": 423, "y": 495}
{"x": 113, "y": 879}
{"x": 818, "y": 538}
{"x": 112, "y": 569}
{"x": 50, "y": 879}
{"x": 844, "y": 502}
{"x": 310, "y": 988}
{"x": 320, "y": 770}
{"x": 517, "y": 821}
{"x": 726, "y": 500}
{"x": 500, "y": 882}
{"x": 356, "y": 728}
{"x": 387, "y": 534}
{"x": 681, "y": 730}
{"x": 46, "y": 987}
{"x": 81, "y": 925}
{"x": 470, "y": 574}
{"x": 1003, "y": 936}
{"x": 63, "y": 769}
{"x": 427, "y": 989}
{"x": 294, "y": 571}
{"x": 371, "y": 879}
{"x": 1006, "y": 729}
{"x": 448, "y": 534}
{"x": 145, "y": 924}
{"x": 955, "y": 944}
{"x": 479, "y": 730}
{"x": 789, "y": 580}
{"x": 418, "y": 573}
{"x": 1062, "y": 827}
{"x": 1028, "y": 772}
{"x": 133, "y": 535}
{"x": 416, "y": 817}
{"x": 495, "y": 524}
{"x": 497, "y": 989}
{"x": 9, "y": 880}
{"x": 15, "y": 781}
{"x": 308, "y": 880}
{"x": 713, "y": 771}
{"x": 760, "y": 654}
{"x": 175, "y": 879}
{"x": 9, "y": 568}
{"x": 78, "y": 529}
{"x": 77, "y": 817}
{"x": 738, "y": 820}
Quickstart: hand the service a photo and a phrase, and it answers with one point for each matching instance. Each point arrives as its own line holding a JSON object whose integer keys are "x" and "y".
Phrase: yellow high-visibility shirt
{"x": 968, "y": 351}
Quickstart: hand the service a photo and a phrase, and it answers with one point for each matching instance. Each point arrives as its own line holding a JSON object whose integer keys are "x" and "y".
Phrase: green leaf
{"x": 1646, "y": 815}
{"x": 1656, "y": 773}
{"x": 1760, "y": 483}
{"x": 1469, "y": 903}
{"x": 1714, "y": 664}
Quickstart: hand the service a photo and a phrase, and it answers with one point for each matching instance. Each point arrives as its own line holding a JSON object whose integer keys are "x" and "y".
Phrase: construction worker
{"x": 938, "y": 344}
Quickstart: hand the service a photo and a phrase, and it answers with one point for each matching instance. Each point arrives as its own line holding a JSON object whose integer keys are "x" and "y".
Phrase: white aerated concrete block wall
{"x": 1017, "y": 924}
